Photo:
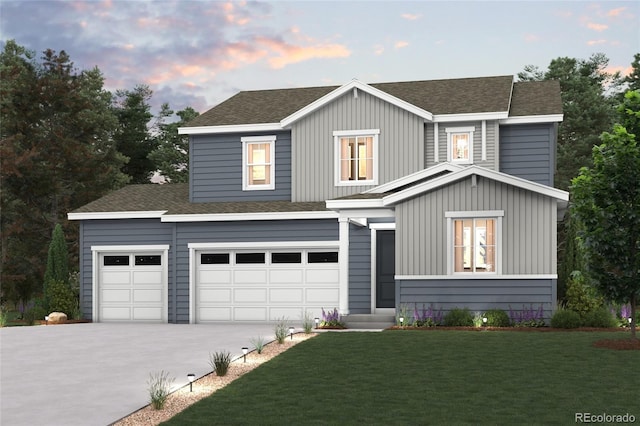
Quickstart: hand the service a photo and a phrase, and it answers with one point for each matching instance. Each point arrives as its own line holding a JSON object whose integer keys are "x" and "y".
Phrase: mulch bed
{"x": 618, "y": 344}
{"x": 524, "y": 329}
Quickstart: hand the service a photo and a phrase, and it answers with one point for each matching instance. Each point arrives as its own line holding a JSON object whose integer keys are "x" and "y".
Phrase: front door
{"x": 385, "y": 269}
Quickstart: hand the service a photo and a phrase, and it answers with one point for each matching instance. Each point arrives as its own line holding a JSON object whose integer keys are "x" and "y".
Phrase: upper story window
{"x": 474, "y": 237}
{"x": 356, "y": 157}
{"x": 460, "y": 144}
{"x": 258, "y": 162}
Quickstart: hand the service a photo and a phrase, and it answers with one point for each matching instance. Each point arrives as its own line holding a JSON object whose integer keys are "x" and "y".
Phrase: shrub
{"x": 527, "y": 317}
{"x": 427, "y": 317}
{"x": 497, "y": 318}
{"x": 477, "y": 319}
{"x": 37, "y": 312}
{"x": 281, "y": 330}
{"x": 61, "y": 298}
{"x": 601, "y": 318}
{"x": 403, "y": 313}
{"x": 458, "y": 317}
{"x": 331, "y": 319}
{"x": 258, "y": 343}
{"x": 307, "y": 323}
{"x": 581, "y": 297}
{"x": 565, "y": 318}
{"x": 3, "y": 316}
{"x": 219, "y": 362}
{"x": 159, "y": 388}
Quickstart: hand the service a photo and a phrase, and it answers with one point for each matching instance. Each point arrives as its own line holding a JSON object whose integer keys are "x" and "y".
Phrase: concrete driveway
{"x": 95, "y": 374}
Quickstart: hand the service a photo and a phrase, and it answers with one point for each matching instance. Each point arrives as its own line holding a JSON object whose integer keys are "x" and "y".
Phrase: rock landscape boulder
{"x": 57, "y": 318}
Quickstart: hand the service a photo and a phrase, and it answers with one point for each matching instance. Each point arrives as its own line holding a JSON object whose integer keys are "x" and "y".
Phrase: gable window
{"x": 460, "y": 144}
{"x": 474, "y": 241}
{"x": 356, "y": 157}
{"x": 258, "y": 165}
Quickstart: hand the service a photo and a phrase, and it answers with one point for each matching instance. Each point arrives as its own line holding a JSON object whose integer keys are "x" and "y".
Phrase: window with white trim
{"x": 460, "y": 144}
{"x": 475, "y": 242}
{"x": 356, "y": 157}
{"x": 258, "y": 163}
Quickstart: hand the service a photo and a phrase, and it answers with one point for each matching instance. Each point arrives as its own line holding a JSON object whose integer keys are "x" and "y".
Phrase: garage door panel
{"x": 286, "y": 276}
{"x": 215, "y": 295}
{"x": 250, "y": 295}
{"x": 146, "y": 313}
{"x": 220, "y": 276}
{"x": 255, "y": 276}
{"x": 116, "y": 313}
{"x": 286, "y": 295}
{"x": 147, "y": 277}
{"x": 147, "y": 295}
{"x": 214, "y": 314}
{"x": 115, "y": 277}
{"x": 326, "y": 296}
{"x": 116, "y": 295}
{"x": 322, "y": 276}
{"x": 257, "y": 313}
{"x": 291, "y": 314}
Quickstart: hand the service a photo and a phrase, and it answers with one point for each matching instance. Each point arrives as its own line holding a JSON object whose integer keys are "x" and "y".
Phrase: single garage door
{"x": 131, "y": 287}
{"x": 265, "y": 285}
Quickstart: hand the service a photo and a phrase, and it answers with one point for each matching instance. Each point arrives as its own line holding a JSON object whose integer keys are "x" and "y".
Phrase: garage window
{"x": 295, "y": 257}
{"x": 116, "y": 261}
{"x": 323, "y": 257}
{"x": 246, "y": 258}
{"x": 214, "y": 259}
{"x": 148, "y": 260}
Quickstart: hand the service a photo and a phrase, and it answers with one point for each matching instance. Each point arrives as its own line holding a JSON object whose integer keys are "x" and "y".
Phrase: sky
{"x": 199, "y": 53}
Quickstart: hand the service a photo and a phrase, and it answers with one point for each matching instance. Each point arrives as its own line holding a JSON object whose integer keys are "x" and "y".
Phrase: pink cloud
{"x": 410, "y": 17}
{"x": 622, "y": 70}
{"x": 378, "y": 49}
{"x": 290, "y": 54}
{"x": 616, "y": 12}
{"x": 400, "y": 44}
{"x": 597, "y": 27}
{"x": 596, "y": 42}
{"x": 531, "y": 37}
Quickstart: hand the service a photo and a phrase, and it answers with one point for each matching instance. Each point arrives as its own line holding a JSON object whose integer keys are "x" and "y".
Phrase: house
{"x": 363, "y": 197}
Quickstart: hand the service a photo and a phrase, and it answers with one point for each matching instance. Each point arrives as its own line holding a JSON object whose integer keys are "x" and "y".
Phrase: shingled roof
{"x": 450, "y": 96}
{"x": 174, "y": 198}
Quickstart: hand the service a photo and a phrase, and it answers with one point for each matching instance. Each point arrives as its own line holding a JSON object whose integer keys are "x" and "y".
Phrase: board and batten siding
{"x": 359, "y": 270}
{"x": 528, "y": 233}
{"x": 240, "y": 232}
{"x": 122, "y": 233}
{"x": 528, "y": 151}
{"x": 491, "y": 142}
{"x": 215, "y": 168}
{"x": 400, "y": 149}
{"x": 478, "y": 295}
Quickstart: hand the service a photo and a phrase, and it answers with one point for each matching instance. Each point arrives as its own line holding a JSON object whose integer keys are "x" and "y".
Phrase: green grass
{"x": 430, "y": 377}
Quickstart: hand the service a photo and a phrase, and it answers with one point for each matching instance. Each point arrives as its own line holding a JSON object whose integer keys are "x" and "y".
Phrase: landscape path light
{"x": 46, "y": 320}
{"x": 317, "y": 320}
{"x": 191, "y": 378}
{"x": 484, "y": 320}
{"x": 291, "y": 332}
{"x": 629, "y": 320}
{"x": 401, "y": 321}
{"x": 244, "y": 353}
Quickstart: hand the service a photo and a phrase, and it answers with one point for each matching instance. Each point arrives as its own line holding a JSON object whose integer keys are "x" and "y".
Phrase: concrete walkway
{"x": 95, "y": 374}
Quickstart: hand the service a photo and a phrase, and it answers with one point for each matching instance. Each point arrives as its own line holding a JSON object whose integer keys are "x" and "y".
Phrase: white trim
{"x": 337, "y": 134}
{"x": 368, "y": 213}
{"x": 480, "y": 171}
{"x": 343, "y": 265}
{"x": 474, "y": 214}
{"x": 436, "y": 142}
{"x": 95, "y": 276}
{"x": 354, "y": 203}
{"x": 473, "y": 116}
{"x": 192, "y": 284}
{"x": 227, "y": 217}
{"x": 531, "y": 119}
{"x": 287, "y": 121}
{"x": 373, "y": 255}
{"x": 385, "y": 226}
{"x": 247, "y": 141}
{"x": 478, "y": 277}
{"x": 469, "y": 130}
{"x": 465, "y": 129}
{"x": 484, "y": 141}
{"x": 358, "y": 221}
{"x": 151, "y": 214}
{"x": 414, "y": 177}
{"x": 231, "y": 128}
{"x": 264, "y": 245}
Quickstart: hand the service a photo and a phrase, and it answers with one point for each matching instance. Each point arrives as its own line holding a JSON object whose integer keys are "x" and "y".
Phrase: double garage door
{"x": 264, "y": 285}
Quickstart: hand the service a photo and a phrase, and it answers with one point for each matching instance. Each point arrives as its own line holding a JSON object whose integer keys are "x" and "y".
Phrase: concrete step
{"x": 368, "y": 322}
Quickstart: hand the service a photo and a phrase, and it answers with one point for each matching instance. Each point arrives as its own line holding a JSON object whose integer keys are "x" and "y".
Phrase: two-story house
{"x": 364, "y": 197}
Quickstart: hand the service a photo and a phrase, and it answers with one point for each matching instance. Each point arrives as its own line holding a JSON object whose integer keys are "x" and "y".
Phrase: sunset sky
{"x": 198, "y": 53}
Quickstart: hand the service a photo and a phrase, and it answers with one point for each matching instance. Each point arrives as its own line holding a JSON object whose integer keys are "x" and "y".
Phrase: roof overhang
{"x": 354, "y": 86}
{"x": 230, "y": 217}
{"x": 533, "y": 119}
{"x": 473, "y": 116}
{"x": 414, "y": 177}
{"x": 232, "y": 128}
{"x": 117, "y": 215}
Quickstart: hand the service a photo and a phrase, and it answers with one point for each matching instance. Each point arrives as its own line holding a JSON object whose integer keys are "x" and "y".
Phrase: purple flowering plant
{"x": 331, "y": 319}
{"x": 427, "y": 317}
{"x": 527, "y": 317}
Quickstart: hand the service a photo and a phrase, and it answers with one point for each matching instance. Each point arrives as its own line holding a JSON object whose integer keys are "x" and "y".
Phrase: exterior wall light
{"x": 191, "y": 378}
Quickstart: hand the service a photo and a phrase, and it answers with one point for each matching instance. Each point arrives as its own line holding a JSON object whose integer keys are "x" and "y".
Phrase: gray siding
{"x": 216, "y": 169}
{"x": 478, "y": 295}
{"x": 528, "y": 227}
{"x": 528, "y": 151}
{"x": 359, "y": 270}
{"x": 400, "y": 144}
{"x": 117, "y": 233}
{"x": 491, "y": 143}
{"x": 258, "y": 231}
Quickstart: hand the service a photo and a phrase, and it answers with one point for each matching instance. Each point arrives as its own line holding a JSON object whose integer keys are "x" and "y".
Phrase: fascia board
{"x": 473, "y": 116}
{"x": 233, "y": 128}
{"x": 318, "y": 103}
{"x": 414, "y": 177}
{"x": 117, "y": 215}
{"x": 354, "y": 204}
{"x": 533, "y": 119}
{"x": 241, "y": 217}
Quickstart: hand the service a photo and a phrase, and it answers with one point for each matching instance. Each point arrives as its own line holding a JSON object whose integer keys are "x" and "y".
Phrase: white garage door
{"x": 131, "y": 287}
{"x": 265, "y": 285}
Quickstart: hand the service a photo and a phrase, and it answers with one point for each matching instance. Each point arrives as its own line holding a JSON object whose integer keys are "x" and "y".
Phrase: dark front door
{"x": 385, "y": 269}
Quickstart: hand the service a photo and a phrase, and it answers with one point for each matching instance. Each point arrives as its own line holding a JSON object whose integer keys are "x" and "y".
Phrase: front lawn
{"x": 431, "y": 377}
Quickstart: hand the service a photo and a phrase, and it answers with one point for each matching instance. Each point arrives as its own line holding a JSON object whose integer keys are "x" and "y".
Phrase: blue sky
{"x": 198, "y": 53}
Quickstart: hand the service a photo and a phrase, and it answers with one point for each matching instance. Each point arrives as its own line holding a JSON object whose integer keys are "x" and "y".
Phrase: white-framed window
{"x": 258, "y": 163}
{"x": 460, "y": 144}
{"x": 474, "y": 242}
{"x": 356, "y": 157}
